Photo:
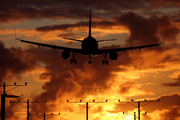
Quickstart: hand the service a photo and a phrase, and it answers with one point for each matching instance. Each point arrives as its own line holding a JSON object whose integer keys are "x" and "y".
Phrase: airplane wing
{"x": 101, "y": 51}
{"x": 52, "y": 46}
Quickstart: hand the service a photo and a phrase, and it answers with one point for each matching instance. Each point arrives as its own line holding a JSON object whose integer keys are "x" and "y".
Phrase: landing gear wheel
{"x": 105, "y": 61}
{"x": 73, "y": 61}
{"x": 89, "y": 62}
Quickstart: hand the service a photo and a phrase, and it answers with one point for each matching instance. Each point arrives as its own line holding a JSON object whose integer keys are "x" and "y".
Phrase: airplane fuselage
{"x": 89, "y": 46}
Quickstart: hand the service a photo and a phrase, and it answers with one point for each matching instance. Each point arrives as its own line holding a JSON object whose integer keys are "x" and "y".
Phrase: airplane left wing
{"x": 52, "y": 46}
{"x": 101, "y": 51}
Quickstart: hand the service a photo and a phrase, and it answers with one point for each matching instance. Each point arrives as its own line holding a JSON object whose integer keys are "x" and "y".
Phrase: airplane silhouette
{"x": 89, "y": 46}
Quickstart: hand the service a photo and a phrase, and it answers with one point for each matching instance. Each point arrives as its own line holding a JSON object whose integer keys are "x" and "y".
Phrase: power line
{"x": 37, "y": 102}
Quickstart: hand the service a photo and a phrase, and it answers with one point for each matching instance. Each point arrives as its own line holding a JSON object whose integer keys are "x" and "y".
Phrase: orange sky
{"x": 151, "y": 73}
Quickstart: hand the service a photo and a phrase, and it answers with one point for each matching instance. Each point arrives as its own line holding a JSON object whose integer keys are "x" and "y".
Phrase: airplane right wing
{"x": 101, "y": 51}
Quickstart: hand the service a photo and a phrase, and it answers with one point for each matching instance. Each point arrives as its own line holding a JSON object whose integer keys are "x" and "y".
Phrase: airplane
{"x": 89, "y": 47}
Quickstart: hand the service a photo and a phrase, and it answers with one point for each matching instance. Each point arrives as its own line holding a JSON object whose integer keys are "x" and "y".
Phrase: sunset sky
{"x": 150, "y": 73}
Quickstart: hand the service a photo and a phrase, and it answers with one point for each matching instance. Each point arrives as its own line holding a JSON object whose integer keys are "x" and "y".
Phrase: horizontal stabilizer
{"x": 72, "y": 39}
{"x": 106, "y": 40}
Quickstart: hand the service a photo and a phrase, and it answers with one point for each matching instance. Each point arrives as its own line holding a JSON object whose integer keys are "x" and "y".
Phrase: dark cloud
{"x": 171, "y": 114}
{"x": 12, "y": 63}
{"x": 124, "y": 88}
{"x": 176, "y": 16}
{"x": 148, "y": 30}
{"x": 176, "y": 83}
{"x": 18, "y": 10}
{"x": 166, "y": 3}
{"x": 102, "y": 24}
{"x": 22, "y": 10}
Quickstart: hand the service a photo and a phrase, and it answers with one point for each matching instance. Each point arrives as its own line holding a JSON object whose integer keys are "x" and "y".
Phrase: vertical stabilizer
{"x": 90, "y": 24}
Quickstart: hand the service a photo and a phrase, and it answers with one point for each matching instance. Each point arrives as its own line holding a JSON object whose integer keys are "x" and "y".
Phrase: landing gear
{"x": 105, "y": 61}
{"x": 89, "y": 62}
{"x": 73, "y": 60}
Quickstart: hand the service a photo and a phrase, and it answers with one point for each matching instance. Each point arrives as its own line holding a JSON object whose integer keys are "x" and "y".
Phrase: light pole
{"x": 86, "y": 105}
{"x": 35, "y": 103}
{"x": 4, "y": 95}
{"x": 147, "y": 102}
{"x": 134, "y": 114}
{"x": 44, "y": 115}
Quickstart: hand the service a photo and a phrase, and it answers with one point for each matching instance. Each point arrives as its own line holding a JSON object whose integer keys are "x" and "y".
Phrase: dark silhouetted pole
{"x": 134, "y": 115}
{"x": 138, "y": 110}
{"x": 2, "y": 107}
{"x": 4, "y": 95}
{"x": 27, "y": 109}
{"x": 86, "y": 110}
{"x": 87, "y": 105}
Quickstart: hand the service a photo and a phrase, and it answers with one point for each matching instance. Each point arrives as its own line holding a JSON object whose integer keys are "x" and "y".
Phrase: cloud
{"x": 131, "y": 89}
{"x": 147, "y": 30}
{"x": 166, "y": 3}
{"x": 12, "y": 63}
{"x": 101, "y": 24}
{"x": 173, "y": 113}
{"x": 19, "y": 10}
{"x": 176, "y": 83}
{"x": 166, "y": 102}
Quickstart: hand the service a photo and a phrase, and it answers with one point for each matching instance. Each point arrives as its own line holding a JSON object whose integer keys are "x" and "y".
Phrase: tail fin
{"x": 90, "y": 24}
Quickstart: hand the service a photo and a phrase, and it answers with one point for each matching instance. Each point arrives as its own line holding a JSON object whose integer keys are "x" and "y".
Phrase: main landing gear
{"x": 89, "y": 62}
{"x": 105, "y": 61}
{"x": 73, "y": 60}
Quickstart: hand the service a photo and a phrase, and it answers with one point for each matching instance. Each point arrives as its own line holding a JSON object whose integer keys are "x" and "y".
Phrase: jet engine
{"x": 113, "y": 56}
{"x": 65, "y": 54}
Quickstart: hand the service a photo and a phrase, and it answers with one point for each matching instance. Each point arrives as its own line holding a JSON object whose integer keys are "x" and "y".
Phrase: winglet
{"x": 15, "y": 33}
{"x": 164, "y": 39}
{"x": 16, "y": 37}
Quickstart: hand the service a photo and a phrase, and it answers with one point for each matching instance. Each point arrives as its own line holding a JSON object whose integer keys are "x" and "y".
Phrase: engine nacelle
{"x": 65, "y": 54}
{"x": 113, "y": 56}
